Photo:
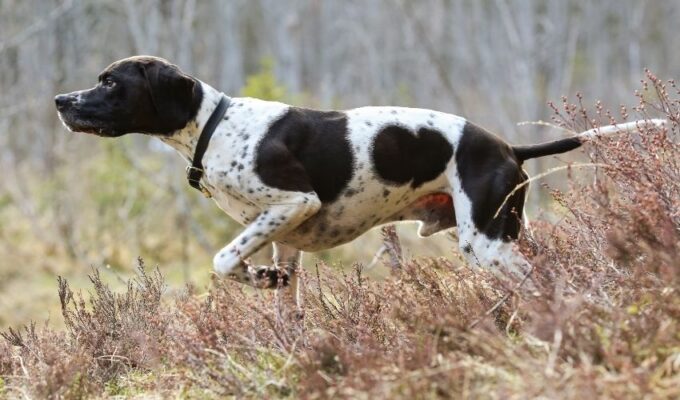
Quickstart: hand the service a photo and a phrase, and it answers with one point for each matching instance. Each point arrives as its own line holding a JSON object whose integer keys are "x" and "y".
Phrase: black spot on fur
{"x": 489, "y": 171}
{"x": 400, "y": 156}
{"x": 350, "y": 192}
{"x": 305, "y": 151}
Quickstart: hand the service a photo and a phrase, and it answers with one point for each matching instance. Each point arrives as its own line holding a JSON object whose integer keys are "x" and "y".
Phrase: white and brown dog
{"x": 308, "y": 180}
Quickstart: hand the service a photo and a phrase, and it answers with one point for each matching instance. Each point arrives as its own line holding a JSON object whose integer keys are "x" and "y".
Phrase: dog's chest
{"x": 230, "y": 159}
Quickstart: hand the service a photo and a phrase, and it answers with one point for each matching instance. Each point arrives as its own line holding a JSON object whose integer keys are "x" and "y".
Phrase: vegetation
{"x": 604, "y": 321}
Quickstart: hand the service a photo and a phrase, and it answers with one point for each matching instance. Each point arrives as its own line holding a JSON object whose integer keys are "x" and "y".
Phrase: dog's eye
{"x": 109, "y": 83}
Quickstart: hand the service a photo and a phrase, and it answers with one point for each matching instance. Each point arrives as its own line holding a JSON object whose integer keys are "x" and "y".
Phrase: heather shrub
{"x": 118, "y": 331}
{"x": 105, "y": 337}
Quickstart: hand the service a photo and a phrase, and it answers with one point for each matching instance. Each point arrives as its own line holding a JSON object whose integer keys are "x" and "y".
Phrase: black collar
{"x": 195, "y": 170}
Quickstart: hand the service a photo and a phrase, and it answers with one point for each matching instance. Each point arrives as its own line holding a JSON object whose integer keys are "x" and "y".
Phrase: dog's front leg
{"x": 274, "y": 220}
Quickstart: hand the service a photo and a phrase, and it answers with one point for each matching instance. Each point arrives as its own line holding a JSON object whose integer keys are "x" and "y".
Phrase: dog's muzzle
{"x": 65, "y": 101}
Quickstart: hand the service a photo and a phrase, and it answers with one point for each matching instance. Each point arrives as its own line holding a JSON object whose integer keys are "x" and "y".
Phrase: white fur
{"x": 622, "y": 128}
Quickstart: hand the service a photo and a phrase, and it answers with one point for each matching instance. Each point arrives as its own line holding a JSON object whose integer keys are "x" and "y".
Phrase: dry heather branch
{"x": 544, "y": 174}
{"x": 392, "y": 246}
{"x": 502, "y": 300}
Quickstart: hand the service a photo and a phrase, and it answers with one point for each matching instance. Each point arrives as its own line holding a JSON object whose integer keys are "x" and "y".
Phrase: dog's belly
{"x": 343, "y": 221}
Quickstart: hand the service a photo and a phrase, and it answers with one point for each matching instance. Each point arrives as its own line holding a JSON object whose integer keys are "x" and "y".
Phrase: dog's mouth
{"x": 77, "y": 124}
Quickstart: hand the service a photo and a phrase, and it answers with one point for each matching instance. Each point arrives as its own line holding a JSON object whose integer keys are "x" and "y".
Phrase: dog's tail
{"x": 563, "y": 145}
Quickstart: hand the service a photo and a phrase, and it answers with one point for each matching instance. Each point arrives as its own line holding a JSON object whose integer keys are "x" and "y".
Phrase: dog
{"x": 308, "y": 180}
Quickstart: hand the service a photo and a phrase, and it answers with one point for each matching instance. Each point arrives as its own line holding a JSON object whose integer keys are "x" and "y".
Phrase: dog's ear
{"x": 173, "y": 94}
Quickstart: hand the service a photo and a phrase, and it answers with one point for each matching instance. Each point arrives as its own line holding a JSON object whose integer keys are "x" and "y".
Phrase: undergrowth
{"x": 603, "y": 322}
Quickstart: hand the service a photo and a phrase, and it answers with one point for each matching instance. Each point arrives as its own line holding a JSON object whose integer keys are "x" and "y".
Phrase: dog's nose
{"x": 62, "y": 101}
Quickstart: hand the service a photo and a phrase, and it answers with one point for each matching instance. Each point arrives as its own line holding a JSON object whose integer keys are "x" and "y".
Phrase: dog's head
{"x": 139, "y": 94}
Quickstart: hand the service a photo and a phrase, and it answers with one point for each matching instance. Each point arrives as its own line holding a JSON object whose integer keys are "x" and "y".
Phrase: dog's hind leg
{"x": 289, "y": 259}
{"x": 485, "y": 239}
{"x": 273, "y": 221}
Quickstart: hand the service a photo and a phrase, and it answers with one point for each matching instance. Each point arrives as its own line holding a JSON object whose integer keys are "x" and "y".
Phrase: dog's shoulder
{"x": 306, "y": 150}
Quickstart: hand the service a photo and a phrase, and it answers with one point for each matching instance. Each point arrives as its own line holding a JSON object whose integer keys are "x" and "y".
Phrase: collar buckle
{"x": 194, "y": 175}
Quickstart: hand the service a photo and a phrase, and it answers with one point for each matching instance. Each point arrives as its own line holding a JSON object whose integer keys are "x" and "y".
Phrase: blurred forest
{"x": 71, "y": 202}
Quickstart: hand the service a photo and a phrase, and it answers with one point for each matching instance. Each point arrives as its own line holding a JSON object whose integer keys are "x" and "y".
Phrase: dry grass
{"x": 604, "y": 322}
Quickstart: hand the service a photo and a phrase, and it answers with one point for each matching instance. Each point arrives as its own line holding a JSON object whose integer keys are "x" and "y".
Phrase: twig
{"x": 377, "y": 256}
{"x": 502, "y": 300}
{"x": 541, "y": 175}
{"x": 546, "y": 124}
{"x": 510, "y": 321}
{"x": 392, "y": 246}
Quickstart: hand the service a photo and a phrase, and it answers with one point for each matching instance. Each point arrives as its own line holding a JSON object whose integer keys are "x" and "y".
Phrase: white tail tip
{"x": 623, "y": 128}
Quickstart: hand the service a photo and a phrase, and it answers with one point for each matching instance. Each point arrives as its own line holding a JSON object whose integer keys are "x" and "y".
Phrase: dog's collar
{"x": 195, "y": 170}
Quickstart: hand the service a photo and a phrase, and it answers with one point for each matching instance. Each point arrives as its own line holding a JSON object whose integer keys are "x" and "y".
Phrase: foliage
{"x": 263, "y": 84}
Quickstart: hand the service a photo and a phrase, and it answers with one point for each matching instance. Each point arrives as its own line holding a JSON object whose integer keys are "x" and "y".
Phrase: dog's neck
{"x": 185, "y": 139}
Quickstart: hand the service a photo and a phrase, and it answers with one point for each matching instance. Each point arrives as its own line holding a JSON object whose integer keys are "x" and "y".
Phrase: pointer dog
{"x": 308, "y": 180}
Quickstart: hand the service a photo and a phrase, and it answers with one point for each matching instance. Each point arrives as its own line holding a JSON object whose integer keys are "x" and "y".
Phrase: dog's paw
{"x": 260, "y": 276}
{"x": 268, "y": 277}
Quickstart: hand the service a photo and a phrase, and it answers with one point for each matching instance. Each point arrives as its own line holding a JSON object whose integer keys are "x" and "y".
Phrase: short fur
{"x": 310, "y": 180}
